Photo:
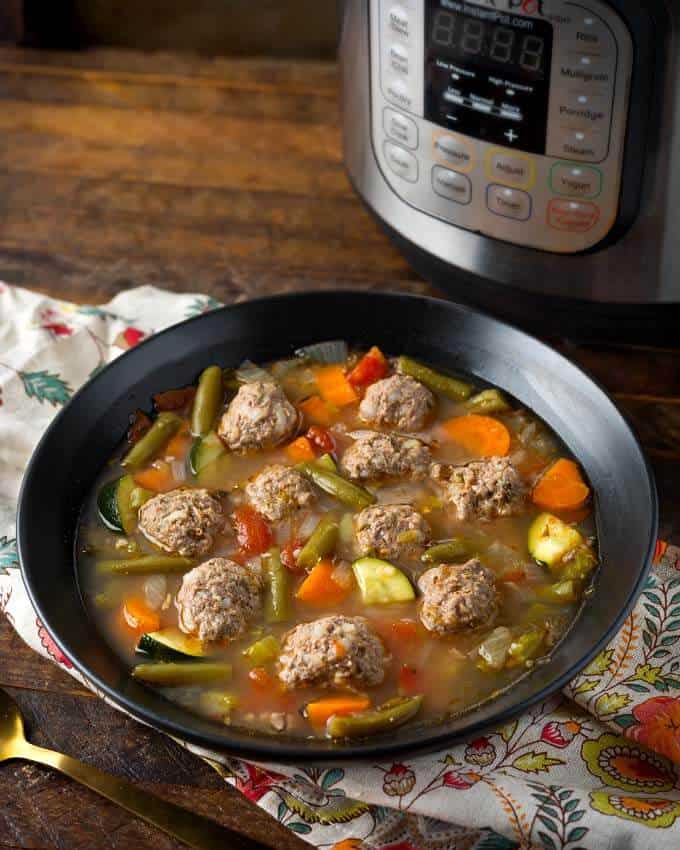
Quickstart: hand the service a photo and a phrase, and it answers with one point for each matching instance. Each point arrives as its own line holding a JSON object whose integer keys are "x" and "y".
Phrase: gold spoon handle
{"x": 194, "y": 830}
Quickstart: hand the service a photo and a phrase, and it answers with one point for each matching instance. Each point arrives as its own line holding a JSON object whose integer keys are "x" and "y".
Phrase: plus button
{"x": 510, "y": 135}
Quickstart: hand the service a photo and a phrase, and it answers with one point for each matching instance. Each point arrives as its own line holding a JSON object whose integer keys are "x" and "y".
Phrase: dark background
{"x": 290, "y": 28}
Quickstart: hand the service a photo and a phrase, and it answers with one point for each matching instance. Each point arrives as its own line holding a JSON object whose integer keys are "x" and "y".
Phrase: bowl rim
{"x": 288, "y": 751}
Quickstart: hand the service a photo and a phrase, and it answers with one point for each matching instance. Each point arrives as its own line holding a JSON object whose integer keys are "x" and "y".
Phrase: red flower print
{"x": 129, "y": 337}
{"x": 49, "y": 321}
{"x": 451, "y": 779}
{"x": 560, "y": 734}
{"x": 258, "y": 783}
{"x": 51, "y": 647}
{"x": 659, "y": 551}
{"x": 480, "y": 752}
{"x": 659, "y": 726}
{"x": 398, "y": 780}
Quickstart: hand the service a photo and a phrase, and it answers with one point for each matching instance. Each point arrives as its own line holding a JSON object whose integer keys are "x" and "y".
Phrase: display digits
{"x": 531, "y": 57}
{"x": 473, "y": 36}
{"x": 502, "y": 44}
{"x": 443, "y": 29}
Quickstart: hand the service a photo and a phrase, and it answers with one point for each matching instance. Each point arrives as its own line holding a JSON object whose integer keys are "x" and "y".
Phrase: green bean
{"x": 579, "y": 565}
{"x": 207, "y": 402}
{"x": 388, "y": 716}
{"x": 277, "y": 602}
{"x": 337, "y": 486}
{"x": 146, "y": 564}
{"x": 326, "y": 462}
{"x": 448, "y": 386}
{"x": 182, "y": 672}
{"x": 560, "y": 593}
{"x": 488, "y": 401}
{"x": 448, "y": 550}
{"x": 322, "y": 542}
{"x": 153, "y": 441}
{"x": 525, "y": 647}
{"x": 263, "y": 651}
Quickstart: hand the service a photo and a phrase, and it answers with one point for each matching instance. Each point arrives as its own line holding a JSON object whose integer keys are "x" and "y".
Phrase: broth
{"x": 451, "y": 672}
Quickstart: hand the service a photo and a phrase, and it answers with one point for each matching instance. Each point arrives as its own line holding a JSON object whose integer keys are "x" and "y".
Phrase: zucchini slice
{"x": 204, "y": 451}
{"x": 171, "y": 645}
{"x": 173, "y": 673}
{"x": 115, "y": 503}
{"x": 381, "y": 583}
{"x": 550, "y": 539}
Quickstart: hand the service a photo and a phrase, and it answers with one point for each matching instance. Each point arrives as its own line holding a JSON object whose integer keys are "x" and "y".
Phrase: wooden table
{"x": 119, "y": 169}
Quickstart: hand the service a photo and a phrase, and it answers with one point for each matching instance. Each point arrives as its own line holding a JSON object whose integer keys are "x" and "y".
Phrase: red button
{"x": 574, "y": 216}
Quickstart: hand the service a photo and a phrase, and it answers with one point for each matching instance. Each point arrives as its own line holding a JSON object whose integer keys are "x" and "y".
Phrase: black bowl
{"x": 85, "y": 434}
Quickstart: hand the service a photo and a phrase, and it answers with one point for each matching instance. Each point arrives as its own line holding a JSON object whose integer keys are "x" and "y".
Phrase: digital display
{"x": 488, "y": 73}
{"x": 469, "y": 38}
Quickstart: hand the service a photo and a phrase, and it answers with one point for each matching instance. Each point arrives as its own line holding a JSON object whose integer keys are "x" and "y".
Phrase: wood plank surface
{"x": 119, "y": 169}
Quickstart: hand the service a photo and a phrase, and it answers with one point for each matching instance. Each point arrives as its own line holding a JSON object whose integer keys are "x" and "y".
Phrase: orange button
{"x": 574, "y": 216}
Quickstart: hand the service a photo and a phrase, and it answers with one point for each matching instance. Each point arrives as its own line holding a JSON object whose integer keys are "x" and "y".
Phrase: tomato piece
{"x": 139, "y": 425}
{"x": 174, "y": 399}
{"x": 371, "y": 368}
{"x": 322, "y": 439}
{"x": 404, "y": 630}
{"x": 289, "y": 554}
{"x": 252, "y": 532}
{"x": 260, "y": 678}
{"x": 410, "y": 680}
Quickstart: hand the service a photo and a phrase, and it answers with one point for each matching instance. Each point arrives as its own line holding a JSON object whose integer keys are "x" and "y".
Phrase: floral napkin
{"x": 595, "y": 767}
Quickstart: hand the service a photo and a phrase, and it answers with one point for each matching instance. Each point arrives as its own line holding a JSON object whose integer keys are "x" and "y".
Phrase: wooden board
{"x": 119, "y": 169}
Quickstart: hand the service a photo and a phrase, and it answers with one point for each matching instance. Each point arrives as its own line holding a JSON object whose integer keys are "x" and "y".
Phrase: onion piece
{"x": 493, "y": 650}
{"x": 155, "y": 591}
{"x": 332, "y": 351}
{"x": 249, "y": 372}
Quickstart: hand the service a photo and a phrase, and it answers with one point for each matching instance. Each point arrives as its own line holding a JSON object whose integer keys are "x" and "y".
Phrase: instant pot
{"x": 524, "y": 154}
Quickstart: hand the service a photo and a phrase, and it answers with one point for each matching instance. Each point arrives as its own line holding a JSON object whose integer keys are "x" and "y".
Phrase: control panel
{"x": 504, "y": 117}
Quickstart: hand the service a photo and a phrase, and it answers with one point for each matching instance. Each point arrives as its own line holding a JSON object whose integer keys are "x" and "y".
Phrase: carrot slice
{"x": 561, "y": 488}
{"x": 516, "y": 576}
{"x": 320, "y": 588}
{"x": 300, "y": 450}
{"x": 334, "y": 386}
{"x": 482, "y": 436}
{"x": 139, "y": 616}
{"x": 318, "y": 712}
{"x": 316, "y": 410}
{"x": 158, "y": 477}
{"x": 179, "y": 443}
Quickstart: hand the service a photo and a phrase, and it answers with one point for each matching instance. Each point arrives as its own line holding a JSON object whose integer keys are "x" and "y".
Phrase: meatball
{"x": 218, "y": 599}
{"x": 378, "y": 455}
{"x": 458, "y": 597}
{"x": 397, "y": 402}
{"x": 182, "y": 522}
{"x": 332, "y": 651}
{"x": 390, "y": 531}
{"x": 278, "y": 491}
{"x": 259, "y": 416}
{"x": 483, "y": 489}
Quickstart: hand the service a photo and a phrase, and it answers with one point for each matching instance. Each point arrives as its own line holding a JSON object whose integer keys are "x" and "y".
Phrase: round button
{"x": 397, "y": 58}
{"x": 508, "y": 203}
{"x": 451, "y": 185}
{"x": 401, "y": 162}
{"x": 398, "y": 92}
{"x": 576, "y": 181}
{"x": 452, "y": 150}
{"x": 398, "y": 21}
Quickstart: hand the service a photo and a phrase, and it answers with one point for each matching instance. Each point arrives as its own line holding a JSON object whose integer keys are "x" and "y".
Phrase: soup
{"x": 335, "y": 544}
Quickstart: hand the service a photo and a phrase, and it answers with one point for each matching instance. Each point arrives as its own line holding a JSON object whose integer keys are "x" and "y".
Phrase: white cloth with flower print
{"x": 562, "y": 777}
